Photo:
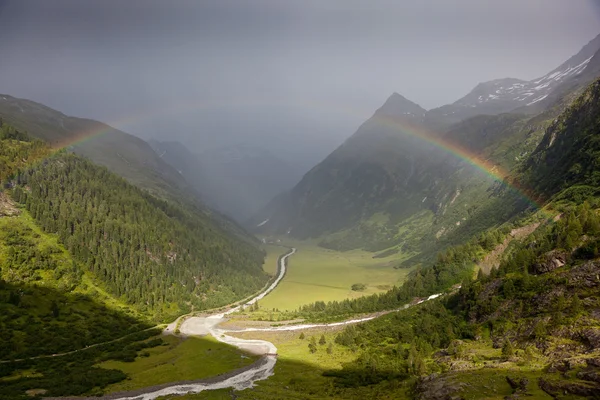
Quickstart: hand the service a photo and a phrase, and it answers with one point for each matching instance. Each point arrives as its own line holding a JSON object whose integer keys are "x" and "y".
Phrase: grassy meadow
{"x": 273, "y": 253}
{"x": 299, "y": 373}
{"x": 318, "y": 274}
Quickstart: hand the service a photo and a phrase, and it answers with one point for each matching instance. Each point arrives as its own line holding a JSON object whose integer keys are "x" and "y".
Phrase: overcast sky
{"x": 314, "y": 69}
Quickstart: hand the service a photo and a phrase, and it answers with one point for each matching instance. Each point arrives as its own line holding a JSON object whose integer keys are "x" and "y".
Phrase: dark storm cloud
{"x": 280, "y": 71}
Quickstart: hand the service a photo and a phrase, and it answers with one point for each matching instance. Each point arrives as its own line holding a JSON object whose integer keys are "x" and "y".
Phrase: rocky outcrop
{"x": 550, "y": 261}
{"x": 438, "y": 387}
{"x": 593, "y": 362}
{"x": 590, "y": 376}
{"x": 585, "y": 276}
{"x": 518, "y": 385}
{"x": 556, "y": 388}
{"x": 7, "y": 206}
{"x": 591, "y": 337}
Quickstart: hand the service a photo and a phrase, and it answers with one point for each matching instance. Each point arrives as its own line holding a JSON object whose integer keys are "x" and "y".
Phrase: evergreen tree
{"x": 322, "y": 340}
{"x": 507, "y": 349}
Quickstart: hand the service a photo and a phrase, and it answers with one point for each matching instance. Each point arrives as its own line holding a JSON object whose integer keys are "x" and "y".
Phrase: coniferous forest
{"x": 154, "y": 254}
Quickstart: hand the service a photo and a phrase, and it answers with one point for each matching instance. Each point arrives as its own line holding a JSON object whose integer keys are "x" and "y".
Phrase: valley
{"x": 147, "y": 373}
{"x": 445, "y": 252}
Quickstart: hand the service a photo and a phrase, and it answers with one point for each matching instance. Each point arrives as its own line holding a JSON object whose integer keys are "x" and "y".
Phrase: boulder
{"x": 559, "y": 388}
{"x": 550, "y": 261}
{"x": 591, "y": 376}
{"x": 591, "y": 337}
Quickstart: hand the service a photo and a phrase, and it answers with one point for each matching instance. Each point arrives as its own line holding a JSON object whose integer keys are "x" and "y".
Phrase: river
{"x": 245, "y": 377}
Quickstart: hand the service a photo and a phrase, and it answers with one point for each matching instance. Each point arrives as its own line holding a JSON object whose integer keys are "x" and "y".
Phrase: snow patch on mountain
{"x": 516, "y": 92}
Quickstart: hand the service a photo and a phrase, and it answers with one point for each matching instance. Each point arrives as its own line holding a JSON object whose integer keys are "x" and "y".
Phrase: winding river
{"x": 245, "y": 377}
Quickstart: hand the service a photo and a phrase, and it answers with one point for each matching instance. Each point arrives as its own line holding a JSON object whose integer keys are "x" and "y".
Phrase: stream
{"x": 260, "y": 370}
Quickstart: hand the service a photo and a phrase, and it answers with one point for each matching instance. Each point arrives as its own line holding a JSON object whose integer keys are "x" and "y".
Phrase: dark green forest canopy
{"x": 17, "y": 151}
{"x": 154, "y": 254}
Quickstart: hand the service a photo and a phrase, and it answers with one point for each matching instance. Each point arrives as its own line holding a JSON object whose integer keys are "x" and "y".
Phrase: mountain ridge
{"x": 507, "y": 94}
{"x": 125, "y": 154}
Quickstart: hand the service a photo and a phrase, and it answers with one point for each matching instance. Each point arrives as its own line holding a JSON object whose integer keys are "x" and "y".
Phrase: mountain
{"x": 505, "y": 95}
{"x": 397, "y": 105}
{"x": 126, "y": 155}
{"x": 396, "y": 184}
{"x": 236, "y": 180}
{"x": 566, "y": 158}
{"x": 527, "y": 325}
{"x": 373, "y": 170}
{"x": 400, "y": 186}
{"x": 121, "y": 152}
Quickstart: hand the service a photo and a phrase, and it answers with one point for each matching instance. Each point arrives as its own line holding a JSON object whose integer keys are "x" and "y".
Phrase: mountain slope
{"x": 569, "y": 153}
{"x": 159, "y": 257}
{"x": 124, "y": 154}
{"x": 373, "y": 169}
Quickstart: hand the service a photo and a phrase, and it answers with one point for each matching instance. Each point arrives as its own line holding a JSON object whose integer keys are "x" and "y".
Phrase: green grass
{"x": 178, "y": 360}
{"x": 317, "y": 274}
{"x": 273, "y": 253}
{"x": 299, "y": 374}
{"x": 491, "y": 384}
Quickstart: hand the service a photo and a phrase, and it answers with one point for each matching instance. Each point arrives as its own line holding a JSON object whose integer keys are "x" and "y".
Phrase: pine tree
{"x": 322, "y": 340}
{"x": 507, "y": 349}
{"x": 576, "y": 307}
{"x": 54, "y": 308}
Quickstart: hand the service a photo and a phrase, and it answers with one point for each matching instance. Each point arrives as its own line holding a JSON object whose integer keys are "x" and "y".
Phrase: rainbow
{"x": 494, "y": 171}
{"x": 400, "y": 125}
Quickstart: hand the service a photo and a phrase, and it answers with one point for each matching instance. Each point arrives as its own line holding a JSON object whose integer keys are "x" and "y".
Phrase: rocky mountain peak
{"x": 397, "y": 105}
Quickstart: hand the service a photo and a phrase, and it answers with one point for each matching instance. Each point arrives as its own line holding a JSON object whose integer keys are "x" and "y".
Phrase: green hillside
{"x": 155, "y": 255}
{"x": 124, "y": 154}
{"x": 90, "y": 263}
{"x": 532, "y": 321}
